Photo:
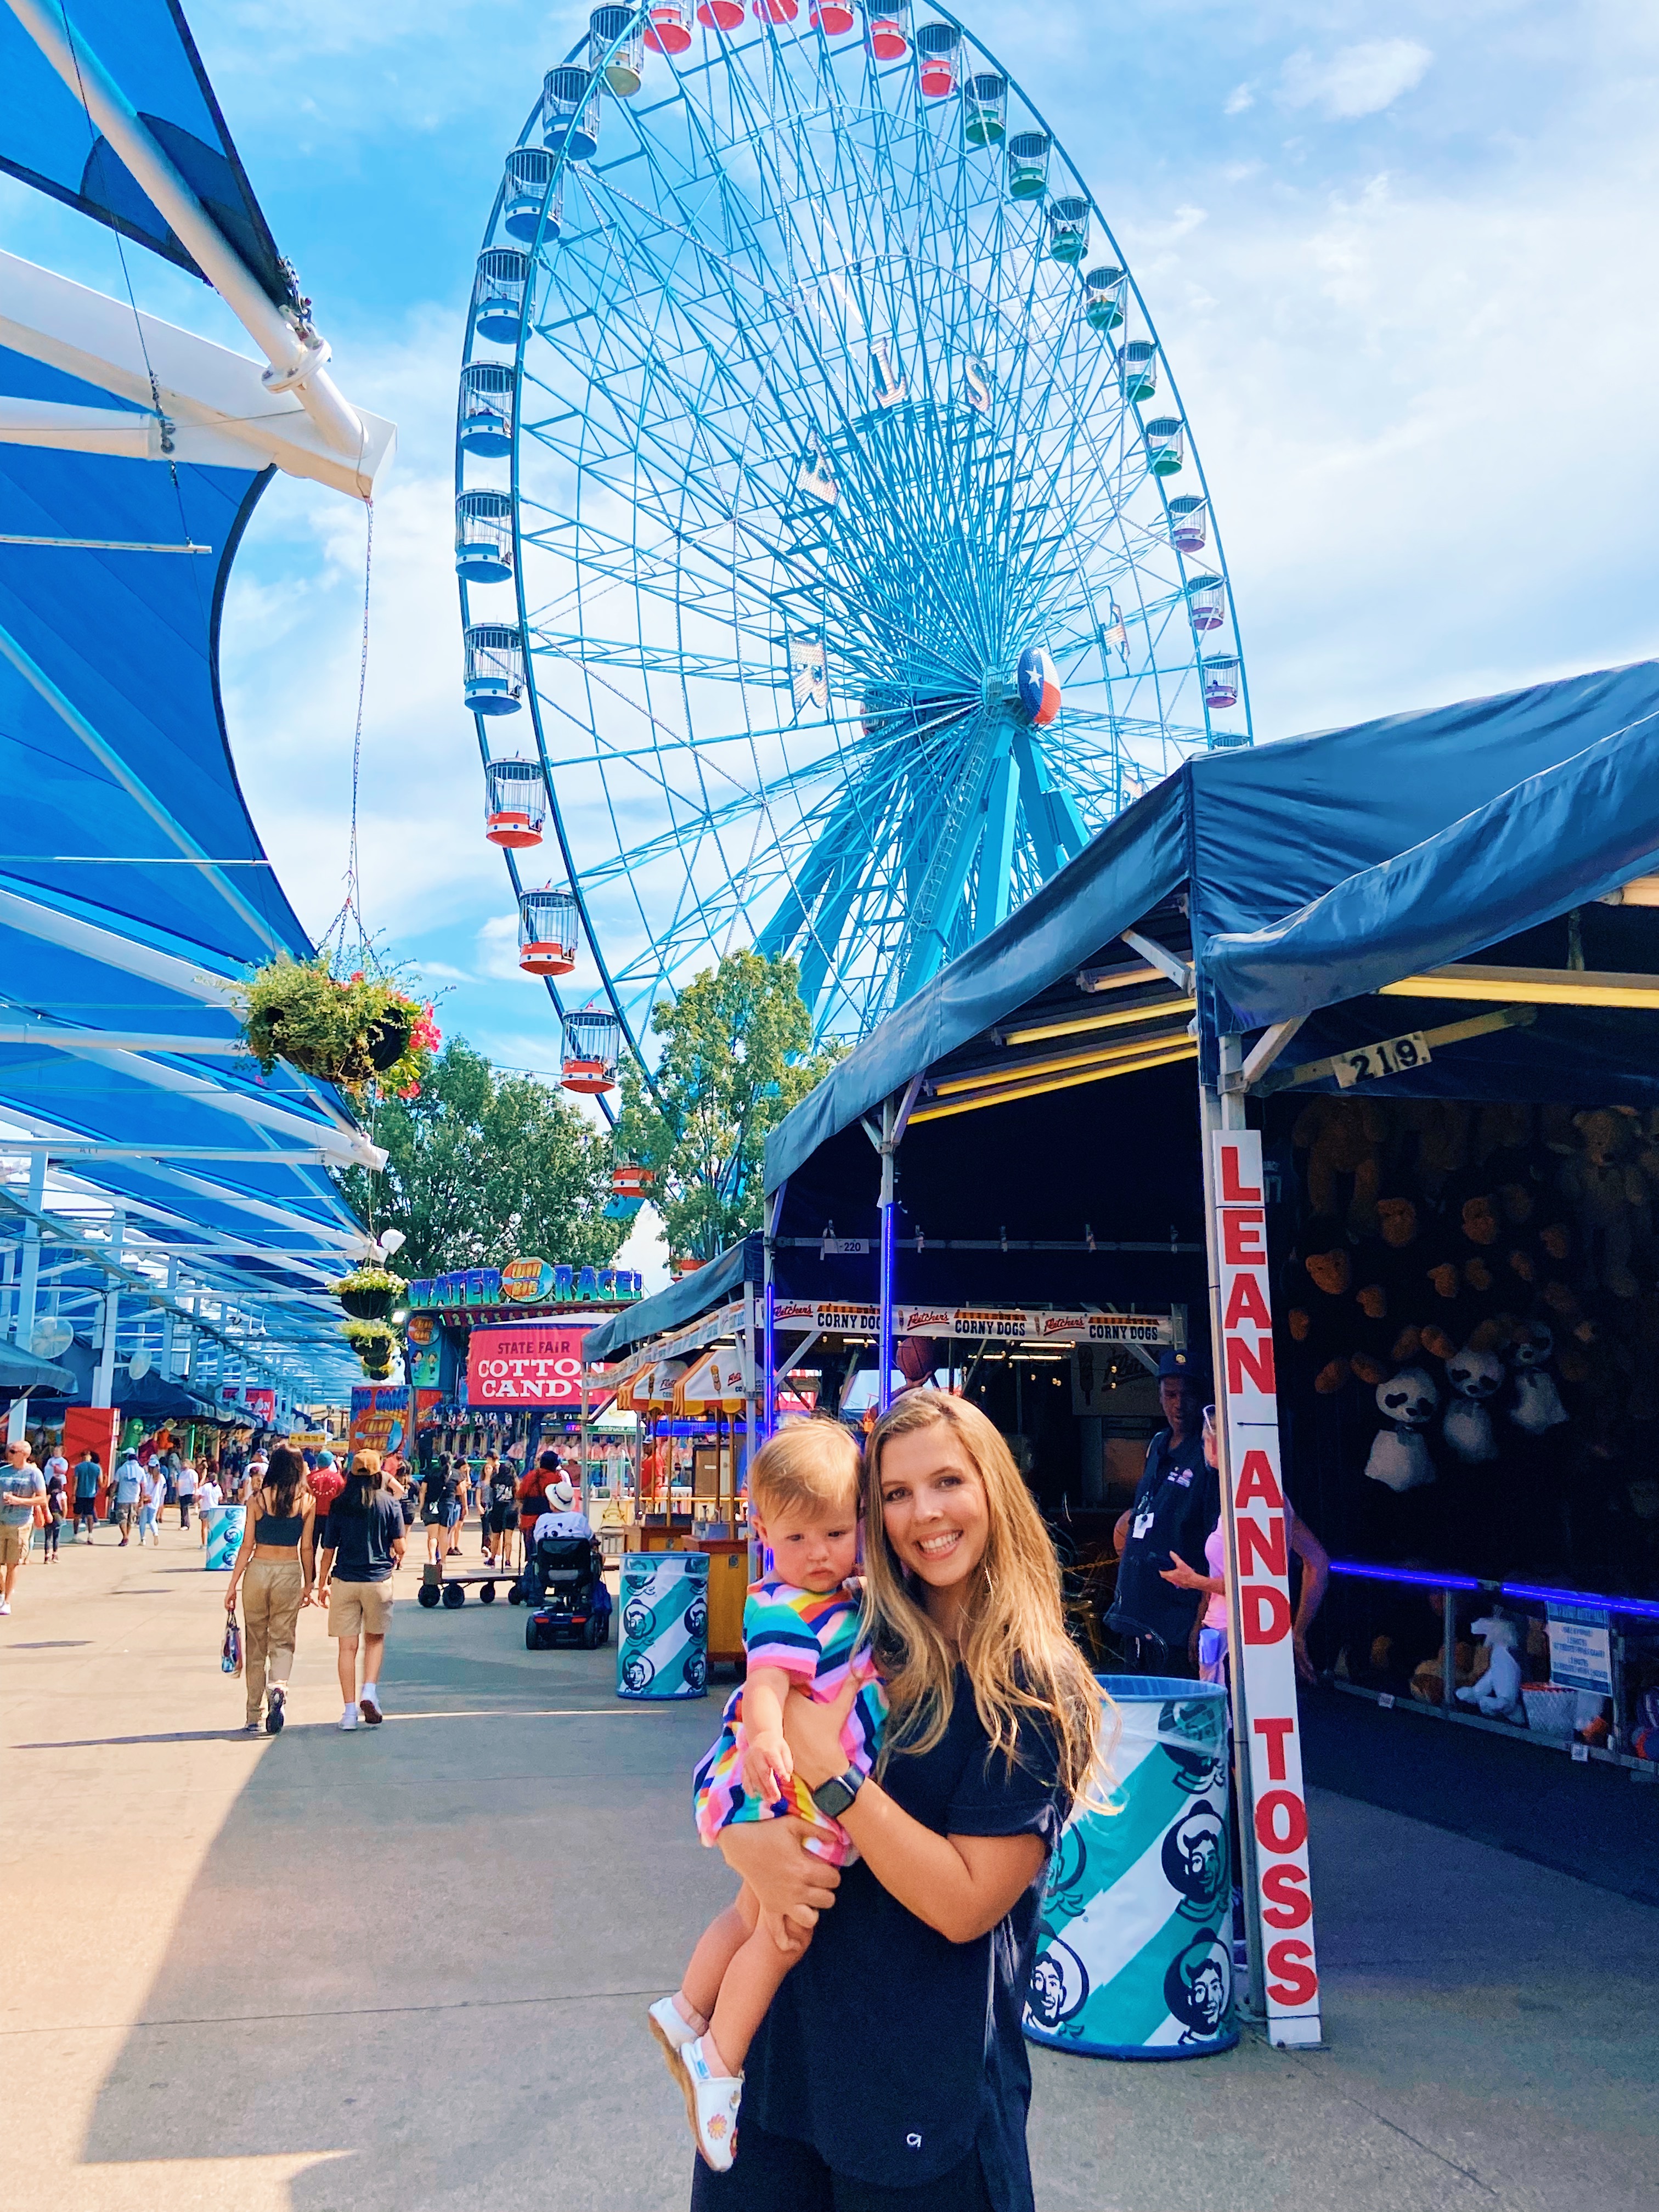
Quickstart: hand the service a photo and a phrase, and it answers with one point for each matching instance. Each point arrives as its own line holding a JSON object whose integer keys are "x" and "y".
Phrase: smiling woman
{"x": 891, "y": 2070}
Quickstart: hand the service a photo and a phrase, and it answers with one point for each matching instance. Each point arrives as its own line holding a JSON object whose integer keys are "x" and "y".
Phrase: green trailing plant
{"x": 354, "y": 1031}
{"x": 370, "y": 1293}
{"x": 373, "y": 1342}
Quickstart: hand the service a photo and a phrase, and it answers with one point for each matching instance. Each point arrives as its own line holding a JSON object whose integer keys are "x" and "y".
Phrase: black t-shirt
{"x": 362, "y": 1542}
{"x": 890, "y": 2049}
{"x": 1177, "y": 1504}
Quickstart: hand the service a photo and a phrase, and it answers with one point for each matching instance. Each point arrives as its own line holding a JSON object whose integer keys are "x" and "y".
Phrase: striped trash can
{"x": 664, "y": 1648}
{"x": 224, "y": 1536}
{"x": 1135, "y": 1956}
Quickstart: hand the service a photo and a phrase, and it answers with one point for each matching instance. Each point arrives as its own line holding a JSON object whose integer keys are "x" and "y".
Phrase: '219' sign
{"x": 1261, "y": 1608}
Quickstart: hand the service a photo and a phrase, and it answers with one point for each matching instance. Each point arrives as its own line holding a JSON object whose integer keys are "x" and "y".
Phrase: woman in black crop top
{"x": 275, "y": 1570}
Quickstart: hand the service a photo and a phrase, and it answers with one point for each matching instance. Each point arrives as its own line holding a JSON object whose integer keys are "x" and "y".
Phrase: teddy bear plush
{"x": 1608, "y": 1190}
{"x": 1398, "y": 1309}
{"x": 1320, "y": 1310}
{"x": 1438, "y": 1131}
{"x": 1535, "y": 1404}
{"x": 1343, "y": 1138}
{"x": 1497, "y": 1694}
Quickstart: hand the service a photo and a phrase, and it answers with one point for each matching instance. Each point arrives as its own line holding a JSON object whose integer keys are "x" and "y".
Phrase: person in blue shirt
{"x": 1177, "y": 1502}
{"x": 129, "y": 1476}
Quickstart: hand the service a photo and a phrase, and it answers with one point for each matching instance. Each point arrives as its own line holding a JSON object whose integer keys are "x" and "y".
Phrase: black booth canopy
{"x": 1366, "y": 856}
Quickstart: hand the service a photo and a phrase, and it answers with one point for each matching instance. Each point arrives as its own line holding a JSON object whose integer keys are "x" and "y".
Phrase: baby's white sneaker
{"x": 670, "y": 2026}
{"x": 711, "y": 2104}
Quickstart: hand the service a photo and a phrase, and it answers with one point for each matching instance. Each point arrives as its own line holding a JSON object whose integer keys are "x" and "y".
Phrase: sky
{"x": 1400, "y": 261}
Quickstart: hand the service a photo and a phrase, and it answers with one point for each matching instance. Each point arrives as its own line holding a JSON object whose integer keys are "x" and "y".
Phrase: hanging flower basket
{"x": 373, "y": 1342}
{"x": 370, "y": 1293}
{"x": 351, "y": 1031}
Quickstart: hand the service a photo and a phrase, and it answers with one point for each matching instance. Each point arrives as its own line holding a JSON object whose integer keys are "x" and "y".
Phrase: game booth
{"x": 1349, "y": 1047}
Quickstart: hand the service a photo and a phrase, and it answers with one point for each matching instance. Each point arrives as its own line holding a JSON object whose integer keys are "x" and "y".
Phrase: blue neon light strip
{"x": 1644, "y": 1608}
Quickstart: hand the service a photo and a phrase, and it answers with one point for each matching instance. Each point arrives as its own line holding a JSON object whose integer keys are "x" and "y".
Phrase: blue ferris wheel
{"x": 835, "y": 555}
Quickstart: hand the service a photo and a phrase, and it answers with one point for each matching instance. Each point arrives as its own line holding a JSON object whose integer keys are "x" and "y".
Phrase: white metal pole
{"x": 297, "y": 363}
{"x": 28, "y": 1282}
{"x": 104, "y": 1382}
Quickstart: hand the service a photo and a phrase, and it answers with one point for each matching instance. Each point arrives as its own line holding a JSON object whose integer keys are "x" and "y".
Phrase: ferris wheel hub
{"x": 1037, "y": 681}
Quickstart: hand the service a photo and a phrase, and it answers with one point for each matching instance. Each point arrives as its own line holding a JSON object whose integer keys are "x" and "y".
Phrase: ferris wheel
{"x": 834, "y": 556}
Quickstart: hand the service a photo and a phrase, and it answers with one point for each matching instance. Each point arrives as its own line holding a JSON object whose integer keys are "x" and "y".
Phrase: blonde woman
{"x": 892, "y": 2066}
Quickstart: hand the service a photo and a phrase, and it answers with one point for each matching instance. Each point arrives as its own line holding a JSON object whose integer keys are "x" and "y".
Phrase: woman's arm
{"x": 1185, "y": 1577}
{"x": 1316, "y": 1573}
{"x": 244, "y": 1554}
{"x": 308, "y": 1546}
{"x": 960, "y": 1886}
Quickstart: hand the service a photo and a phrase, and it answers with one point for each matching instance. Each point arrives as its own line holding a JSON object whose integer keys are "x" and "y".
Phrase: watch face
{"x": 833, "y": 1796}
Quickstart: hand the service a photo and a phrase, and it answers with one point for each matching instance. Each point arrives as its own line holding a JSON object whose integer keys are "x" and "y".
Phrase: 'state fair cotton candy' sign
{"x": 534, "y": 1364}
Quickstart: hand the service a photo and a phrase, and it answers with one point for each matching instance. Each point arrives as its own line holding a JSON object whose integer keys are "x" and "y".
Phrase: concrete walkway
{"x": 404, "y": 1970}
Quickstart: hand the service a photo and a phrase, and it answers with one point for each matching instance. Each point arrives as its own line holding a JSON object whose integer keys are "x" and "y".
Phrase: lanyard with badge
{"x": 1142, "y": 1526}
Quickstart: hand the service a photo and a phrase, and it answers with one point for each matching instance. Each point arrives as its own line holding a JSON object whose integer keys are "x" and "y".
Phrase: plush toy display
{"x": 1497, "y": 1692}
{"x": 1320, "y": 1310}
{"x": 1398, "y": 1455}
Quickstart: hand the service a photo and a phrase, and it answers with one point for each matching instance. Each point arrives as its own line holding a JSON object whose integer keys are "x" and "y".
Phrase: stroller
{"x": 565, "y": 1590}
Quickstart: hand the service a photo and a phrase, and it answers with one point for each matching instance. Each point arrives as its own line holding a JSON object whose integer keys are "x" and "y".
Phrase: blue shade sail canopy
{"x": 47, "y": 140}
{"x": 134, "y": 889}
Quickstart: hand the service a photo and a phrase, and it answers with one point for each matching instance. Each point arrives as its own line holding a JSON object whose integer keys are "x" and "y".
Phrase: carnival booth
{"x": 1371, "y": 1019}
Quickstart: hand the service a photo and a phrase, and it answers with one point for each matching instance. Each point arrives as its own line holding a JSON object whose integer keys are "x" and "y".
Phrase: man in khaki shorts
{"x": 20, "y": 1484}
{"x": 360, "y": 1548}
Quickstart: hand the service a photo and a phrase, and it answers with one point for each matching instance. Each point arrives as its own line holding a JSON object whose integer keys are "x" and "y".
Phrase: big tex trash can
{"x": 1135, "y": 1957}
{"x": 224, "y": 1536}
{"x": 664, "y": 1648}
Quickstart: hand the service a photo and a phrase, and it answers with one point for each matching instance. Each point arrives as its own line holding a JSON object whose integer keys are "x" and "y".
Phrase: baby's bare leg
{"x": 747, "y": 1988}
{"x": 717, "y": 1947}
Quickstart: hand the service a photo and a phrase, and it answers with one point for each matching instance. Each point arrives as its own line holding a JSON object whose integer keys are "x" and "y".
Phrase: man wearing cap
{"x": 1177, "y": 1502}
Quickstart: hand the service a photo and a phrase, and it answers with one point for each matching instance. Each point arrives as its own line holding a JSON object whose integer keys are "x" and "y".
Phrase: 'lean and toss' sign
{"x": 1262, "y": 1609}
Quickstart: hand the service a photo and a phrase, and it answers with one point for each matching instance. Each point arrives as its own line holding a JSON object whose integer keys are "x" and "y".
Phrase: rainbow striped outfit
{"x": 813, "y": 1636}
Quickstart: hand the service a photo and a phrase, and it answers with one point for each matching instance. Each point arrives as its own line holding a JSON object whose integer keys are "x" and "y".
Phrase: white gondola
{"x": 547, "y": 931}
{"x": 486, "y": 409}
{"x": 484, "y": 536}
{"x": 495, "y": 668}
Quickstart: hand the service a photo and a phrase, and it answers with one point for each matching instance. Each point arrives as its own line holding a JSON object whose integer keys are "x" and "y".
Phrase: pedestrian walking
{"x": 207, "y": 1495}
{"x": 186, "y": 1487}
{"x": 57, "y": 1505}
{"x": 129, "y": 1477}
{"x": 919, "y": 2097}
{"x": 22, "y": 1487}
{"x": 274, "y": 1571}
{"x": 326, "y": 1484}
{"x": 152, "y": 1496}
{"x": 361, "y": 1546}
{"x": 89, "y": 1474}
{"x": 440, "y": 1508}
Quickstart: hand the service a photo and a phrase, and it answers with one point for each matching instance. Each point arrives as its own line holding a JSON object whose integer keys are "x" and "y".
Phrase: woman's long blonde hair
{"x": 1019, "y": 1657}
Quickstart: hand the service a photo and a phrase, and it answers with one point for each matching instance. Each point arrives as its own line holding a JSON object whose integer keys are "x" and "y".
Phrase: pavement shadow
{"x": 401, "y": 1938}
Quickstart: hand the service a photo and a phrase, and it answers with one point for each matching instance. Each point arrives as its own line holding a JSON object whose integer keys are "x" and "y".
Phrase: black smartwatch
{"x": 834, "y": 1796}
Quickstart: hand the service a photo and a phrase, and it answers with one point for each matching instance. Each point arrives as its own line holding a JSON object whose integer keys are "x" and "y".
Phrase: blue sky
{"x": 1400, "y": 261}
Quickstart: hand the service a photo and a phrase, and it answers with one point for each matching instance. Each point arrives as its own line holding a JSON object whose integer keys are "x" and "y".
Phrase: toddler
{"x": 800, "y": 1630}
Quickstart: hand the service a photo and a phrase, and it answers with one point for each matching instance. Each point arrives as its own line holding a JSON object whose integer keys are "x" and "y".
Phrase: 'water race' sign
{"x": 526, "y": 1364}
{"x": 1248, "y": 1391}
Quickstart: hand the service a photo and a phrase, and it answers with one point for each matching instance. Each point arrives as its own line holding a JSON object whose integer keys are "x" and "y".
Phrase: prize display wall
{"x": 1468, "y": 1345}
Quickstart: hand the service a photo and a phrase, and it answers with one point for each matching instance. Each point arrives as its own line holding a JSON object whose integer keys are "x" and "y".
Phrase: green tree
{"x": 482, "y": 1167}
{"x": 737, "y": 1054}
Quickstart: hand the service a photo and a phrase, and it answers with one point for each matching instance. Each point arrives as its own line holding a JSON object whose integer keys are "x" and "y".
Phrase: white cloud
{"x": 498, "y": 948}
{"x": 1242, "y": 97}
{"x": 1356, "y": 80}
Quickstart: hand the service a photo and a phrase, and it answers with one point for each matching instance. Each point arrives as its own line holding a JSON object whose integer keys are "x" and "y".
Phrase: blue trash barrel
{"x": 1135, "y": 1955}
{"x": 224, "y": 1536}
{"x": 663, "y": 1648}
